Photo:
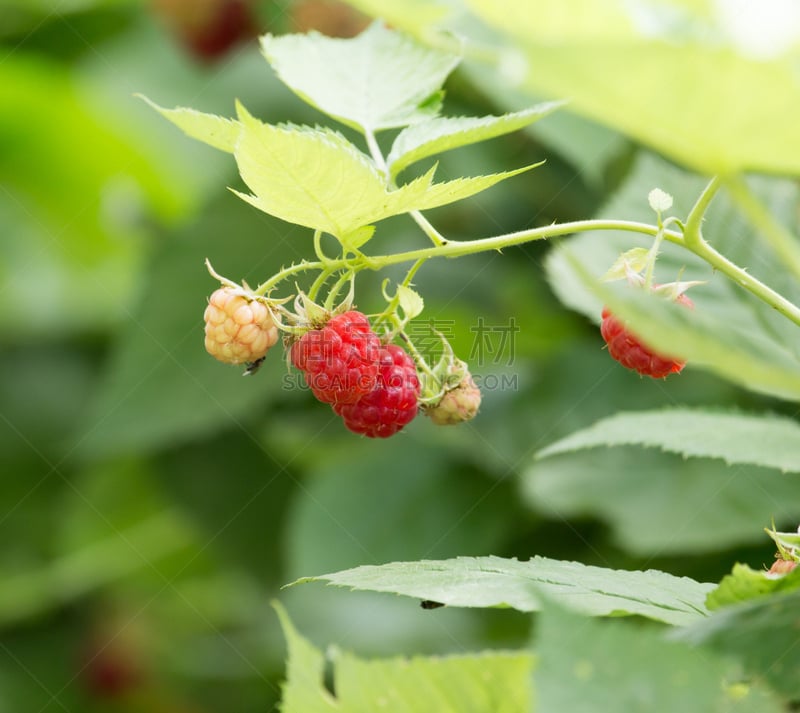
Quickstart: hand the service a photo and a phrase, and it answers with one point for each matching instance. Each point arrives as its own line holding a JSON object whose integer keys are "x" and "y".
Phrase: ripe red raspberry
{"x": 458, "y": 405}
{"x": 391, "y": 404}
{"x": 239, "y": 329}
{"x": 629, "y": 351}
{"x": 340, "y": 361}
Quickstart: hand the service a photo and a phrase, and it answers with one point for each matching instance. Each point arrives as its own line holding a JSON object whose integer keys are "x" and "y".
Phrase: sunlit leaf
{"x": 498, "y": 582}
{"x": 445, "y": 133}
{"x": 216, "y": 131}
{"x": 317, "y": 178}
{"x": 619, "y": 62}
{"x": 378, "y": 80}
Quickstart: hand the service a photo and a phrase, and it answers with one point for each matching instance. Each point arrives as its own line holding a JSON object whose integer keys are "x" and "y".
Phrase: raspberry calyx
{"x": 392, "y": 404}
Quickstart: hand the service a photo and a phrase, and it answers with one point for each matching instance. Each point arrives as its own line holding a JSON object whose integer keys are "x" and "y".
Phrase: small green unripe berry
{"x": 239, "y": 329}
{"x": 458, "y": 405}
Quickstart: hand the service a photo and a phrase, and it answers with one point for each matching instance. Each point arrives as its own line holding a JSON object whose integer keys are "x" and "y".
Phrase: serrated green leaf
{"x": 499, "y": 582}
{"x": 617, "y": 63}
{"x": 659, "y": 502}
{"x": 736, "y": 438}
{"x": 445, "y": 133}
{"x": 380, "y": 79}
{"x": 216, "y": 131}
{"x": 744, "y": 583}
{"x": 317, "y": 178}
{"x": 440, "y": 194}
{"x": 303, "y": 691}
{"x": 312, "y": 177}
{"x": 761, "y": 633}
{"x": 589, "y": 666}
{"x": 496, "y": 682}
{"x": 411, "y": 302}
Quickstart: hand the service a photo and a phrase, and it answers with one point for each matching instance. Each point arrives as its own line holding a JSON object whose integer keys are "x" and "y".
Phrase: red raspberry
{"x": 629, "y": 351}
{"x": 239, "y": 330}
{"x": 340, "y": 361}
{"x": 393, "y": 402}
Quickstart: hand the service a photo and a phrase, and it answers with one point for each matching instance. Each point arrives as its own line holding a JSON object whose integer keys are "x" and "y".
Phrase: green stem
{"x": 457, "y": 248}
{"x": 265, "y": 287}
{"x": 744, "y": 279}
{"x": 785, "y": 244}
{"x": 322, "y": 278}
{"x": 435, "y": 236}
{"x": 692, "y": 232}
{"x": 337, "y": 286}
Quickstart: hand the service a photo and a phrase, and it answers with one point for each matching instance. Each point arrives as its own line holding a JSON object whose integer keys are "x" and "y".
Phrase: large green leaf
{"x": 761, "y": 633}
{"x": 661, "y": 503}
{"x": 623, "y": 64}
{"x": 729, "y": 332}
{"x": 378, "y": 80}
{"x": 599, "y": 667}
{"x": 498, "y": 582}
{"x": 496, "y": 682}
{"x": 445, "y": 133}
{"x": 736, "y": 438}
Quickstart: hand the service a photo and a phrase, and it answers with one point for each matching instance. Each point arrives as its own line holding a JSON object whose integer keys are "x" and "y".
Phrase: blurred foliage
{"x": 153, "y": 501}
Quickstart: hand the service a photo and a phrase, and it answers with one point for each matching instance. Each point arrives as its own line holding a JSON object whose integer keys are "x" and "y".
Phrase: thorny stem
{"x": 287, "y": 272}
{"x": 692, "y": 232}
{"x": 691, "y": 240}
{"x": 337, "y": 286}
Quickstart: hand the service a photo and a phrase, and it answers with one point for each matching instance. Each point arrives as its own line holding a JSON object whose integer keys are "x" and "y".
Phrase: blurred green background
{"x": 152, "y": 501}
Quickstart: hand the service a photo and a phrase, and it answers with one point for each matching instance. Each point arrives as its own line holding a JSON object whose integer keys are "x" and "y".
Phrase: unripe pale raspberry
{"x": 392, "y": 404}
{"x": 239, "y": 330}
{"x": 340, "y": 360}
{"x": 458, "y": 405}
{"x": 632, "y": 353}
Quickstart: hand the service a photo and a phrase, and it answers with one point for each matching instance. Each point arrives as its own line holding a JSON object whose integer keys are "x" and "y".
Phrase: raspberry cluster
{"x": 239, "y": 329}
{"x": 632, "y": 353}
{"x": 373, "y": 388}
